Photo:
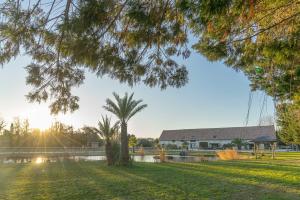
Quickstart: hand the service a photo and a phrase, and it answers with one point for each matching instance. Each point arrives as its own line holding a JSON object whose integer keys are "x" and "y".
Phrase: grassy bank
{"x": 248, "y": 179}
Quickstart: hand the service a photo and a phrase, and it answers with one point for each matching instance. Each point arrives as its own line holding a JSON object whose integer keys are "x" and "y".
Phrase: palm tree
{"x": 107, "y": 132}
{"x": 238, "y": 142}
{"x": 124, "y": 108}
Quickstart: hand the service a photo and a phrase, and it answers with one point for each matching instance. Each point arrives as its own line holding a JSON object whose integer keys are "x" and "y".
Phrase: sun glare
{"x": 38, "y": 117}
{"x": 39, "y": 160}
{"x": 41, "y": 123}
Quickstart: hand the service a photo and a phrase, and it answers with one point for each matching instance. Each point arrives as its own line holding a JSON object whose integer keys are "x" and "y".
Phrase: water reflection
{"x": 136, "y": 158}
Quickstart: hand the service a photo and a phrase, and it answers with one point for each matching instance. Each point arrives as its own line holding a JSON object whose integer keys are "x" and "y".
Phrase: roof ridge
{"x": 246, "y": 132}
{"x": 185, "y": 129}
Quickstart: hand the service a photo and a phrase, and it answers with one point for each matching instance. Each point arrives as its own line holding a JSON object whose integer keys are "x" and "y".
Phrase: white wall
{"x": 196, "y": 143}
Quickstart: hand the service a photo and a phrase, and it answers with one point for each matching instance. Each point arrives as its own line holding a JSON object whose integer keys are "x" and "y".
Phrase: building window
{"x": 214, "y": 136}
{"x": 192, "y": 140}
{"x": 193, "y": 145}
{"x": 203, "y": 145}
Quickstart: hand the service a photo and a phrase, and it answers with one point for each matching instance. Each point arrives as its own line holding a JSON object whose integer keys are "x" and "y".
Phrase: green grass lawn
{"x": 247, "y": 179}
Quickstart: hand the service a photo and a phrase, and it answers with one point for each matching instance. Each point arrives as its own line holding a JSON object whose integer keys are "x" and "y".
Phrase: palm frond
{"x": 93, "y": 130}
{"x": 106, "y": 130}
{"x": 124, "y": 108}
{"x": 136, "y": 110}
{"x": 117, "y": 97}
{"x": 133, "y": 104}
{"x": 116, "y": 126}
{"x": 130, "y": 97}
{"x": 112, "y": 107}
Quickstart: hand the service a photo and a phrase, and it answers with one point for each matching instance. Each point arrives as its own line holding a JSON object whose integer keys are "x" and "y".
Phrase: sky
{"x": 216, "y": 96}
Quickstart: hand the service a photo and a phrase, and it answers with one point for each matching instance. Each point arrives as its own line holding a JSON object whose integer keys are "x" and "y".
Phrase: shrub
{"x": 142, "y": 151}
{"x": 171, "y": 146}
{"x": 162, "y": 155}
{"x": 228, "y": 146}
{"x": 228, "y": 154}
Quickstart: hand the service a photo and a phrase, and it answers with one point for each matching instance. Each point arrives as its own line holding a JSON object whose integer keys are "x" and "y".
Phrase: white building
{"x": 215, "y": 138}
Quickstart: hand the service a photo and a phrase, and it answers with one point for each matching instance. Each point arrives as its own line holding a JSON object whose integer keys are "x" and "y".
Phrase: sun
{"x": 40, "y": 122}
{"x": 39, "y": 160}
{"x": 39, "y": 117}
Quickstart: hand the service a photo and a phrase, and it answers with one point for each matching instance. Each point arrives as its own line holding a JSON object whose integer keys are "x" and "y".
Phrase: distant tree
{"x": 25, "y": 127}
{"x": 2, "y": 125}
{"x": 91, "y": 136}
{"x": 17, "y": 126}
{"x": 156, "y": 142}
{"x": 238, "y": 142}
{"x": 57, "y": 135}
{"x": 184, "y": 145}
{"x": 132, "y": 142}
{"x": 10, "y": 135}
{"x": 6, "y": 132}
{"x": 57, "y": 128}
{"x": 124, "y": 108}
{"x": 107, "y": 131}
{"x": 11, "y": 128}
{"x": 145, "y": 142}
{"x": 289, "y": 123}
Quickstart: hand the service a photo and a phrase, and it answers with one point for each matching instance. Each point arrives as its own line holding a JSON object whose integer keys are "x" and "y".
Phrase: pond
{"x": 136, "y": 158}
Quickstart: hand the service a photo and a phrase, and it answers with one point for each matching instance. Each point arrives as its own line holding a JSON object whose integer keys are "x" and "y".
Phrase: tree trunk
{"x": 255, "y": 150}
{"x": 109, "y": 153}
{"x": 124, "y": 159}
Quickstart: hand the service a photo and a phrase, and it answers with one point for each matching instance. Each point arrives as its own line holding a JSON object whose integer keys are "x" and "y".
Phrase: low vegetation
{"x": 238, "y": 179}
{"x": 228, "y": 154}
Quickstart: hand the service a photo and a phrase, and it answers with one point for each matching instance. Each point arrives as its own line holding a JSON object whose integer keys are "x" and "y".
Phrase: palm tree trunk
{"x": 124, "y": 159}
{"x": 109, "y": 153}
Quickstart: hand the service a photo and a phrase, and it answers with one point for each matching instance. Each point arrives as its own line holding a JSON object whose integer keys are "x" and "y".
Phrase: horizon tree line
{"x": 19, "y": 134}
{"x": 60, "y": 135}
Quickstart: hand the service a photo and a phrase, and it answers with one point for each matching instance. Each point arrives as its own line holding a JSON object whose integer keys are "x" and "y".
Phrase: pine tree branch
{"x": 113, "y": 21}
{"x": 268, "y": 15}
{"x": 265, "y": 29}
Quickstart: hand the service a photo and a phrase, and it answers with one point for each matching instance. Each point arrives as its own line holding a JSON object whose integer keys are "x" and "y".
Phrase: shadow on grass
{"x": 8, "y": 175}
{"x": 272, "y": 179}
{"x": 94, "y": 180}
{"x": 180, "y": 183}
{"x": 289, "y": 178}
